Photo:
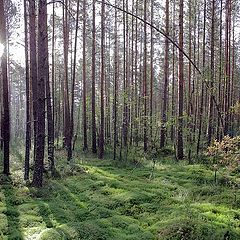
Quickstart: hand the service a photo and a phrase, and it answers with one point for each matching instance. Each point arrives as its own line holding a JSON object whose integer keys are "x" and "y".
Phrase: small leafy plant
{"x": 225, "y": 153}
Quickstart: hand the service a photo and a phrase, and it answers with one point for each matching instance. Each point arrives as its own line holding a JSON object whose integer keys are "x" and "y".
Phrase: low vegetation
{"x": 99, "y": 199}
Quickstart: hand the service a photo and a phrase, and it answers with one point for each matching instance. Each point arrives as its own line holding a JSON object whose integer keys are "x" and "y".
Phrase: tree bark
{"x": 94, "y": 135}
{"x": 85, "y": 144}
{"x": 67, "y": 118}
{"x": 210, "y": 116}
{"x": 116, "y": 78}
{"x": 202, "y": 84}
{"x": 101, "y": 137}
{"x": 166, "y": 75}
{"x": 145, "y": 96}
{"x": 33, "y": 65}
{"x": 73, "y": 87}
{"x": 28, "y": 118}
{"x": 43, "y": 75}
{"x": 5, "y": 93}
{"x": 180, "y": 154}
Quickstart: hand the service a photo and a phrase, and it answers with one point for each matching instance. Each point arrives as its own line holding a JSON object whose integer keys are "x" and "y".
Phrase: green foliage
{"x": 236, "y": 109}
{"x": 226, "y": 153}
{"x": 191, "y": 229}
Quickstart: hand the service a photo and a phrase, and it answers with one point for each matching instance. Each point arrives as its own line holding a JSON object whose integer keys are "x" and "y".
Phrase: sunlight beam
{"x": 1, "y": 50}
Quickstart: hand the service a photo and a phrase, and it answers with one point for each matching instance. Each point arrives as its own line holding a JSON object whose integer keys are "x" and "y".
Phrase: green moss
{"x": 29, "y": 221}
{"x": 51, "y": 234}
{"x": 194, "y": 230}
{"x": 11, "y": 212}
{"x": 15, "y": 234}
{"x": 100, "y": 200}
{"x": 89, "y": 230}
{"x": 3, "y": 224}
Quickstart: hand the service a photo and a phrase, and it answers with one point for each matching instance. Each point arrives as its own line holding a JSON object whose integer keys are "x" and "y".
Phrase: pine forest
{"x": 119, "y": 119}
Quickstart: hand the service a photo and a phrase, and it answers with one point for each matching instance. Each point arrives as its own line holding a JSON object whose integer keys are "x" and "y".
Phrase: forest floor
{"x": 99, "y": 200}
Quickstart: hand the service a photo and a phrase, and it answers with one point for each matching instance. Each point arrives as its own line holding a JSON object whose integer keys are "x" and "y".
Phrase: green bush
{"x": 225, "y": 153}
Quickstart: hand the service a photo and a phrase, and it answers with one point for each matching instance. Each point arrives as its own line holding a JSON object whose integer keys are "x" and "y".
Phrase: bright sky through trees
{"x": 1, "y": 49}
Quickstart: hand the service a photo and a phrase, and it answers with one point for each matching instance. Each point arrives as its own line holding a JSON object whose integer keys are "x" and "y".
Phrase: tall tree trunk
{"x": 125, "y": 126}
{"x": 50, "y": 113}
{"x": 210, "y": 116}
{"x": 5, "y": 94}
{"x": 232, "y": 78}
{"x": 190, "y": 79}
{"x": 173, "y": 75}
{"x": 33, "y": 65}
{"x": 145, "y": 137}
{"x": 166, "y": 75}
{"x": 94, "y": 141}
{"x": 202, "y": 84}
{"x": 85, "y": 144}
{"x": 219, "y": 130}
{"x": 28, "y": 118}
{"x": 180, "y": 86}
{"x": 101, "y": 137}
{"x": 227, "y": 67}
{"x": 151, "y": 73}
{"x": 116, "y": 78}
{"x": 67, "y": 118}
{"x": 50, "y": 123}
{"x": 43, "y": 78}
{"x": 53, "y": 72}
{"x": 136, "y": 79}
{"x": 131, "y": 54}
{"x": 73, "y": 86}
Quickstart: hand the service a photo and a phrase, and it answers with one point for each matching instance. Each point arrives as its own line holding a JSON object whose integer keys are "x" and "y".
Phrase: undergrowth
{"x": 101, "y": 199}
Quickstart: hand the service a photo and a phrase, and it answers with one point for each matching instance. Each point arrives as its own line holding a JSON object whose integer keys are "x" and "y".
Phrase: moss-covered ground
{"x": 99, "y": 199}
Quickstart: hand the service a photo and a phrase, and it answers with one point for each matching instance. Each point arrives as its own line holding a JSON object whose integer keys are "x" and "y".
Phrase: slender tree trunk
{"x": 94, "y": 143}
{"x": 116, "y": 78}
{"x": 151, "y": 73}
{"x": 28, "y": 118}
{"x": 232, "y": 78}
{"x": 210, "y": 116}
{"x": 67, "y": 118}
{"x": 202, "y": 85}
{"x": 53, "y": 70}
{"x": 180, "y": 86}
{"x": 227, "y": 69}
{"x": 219, "y": 130}
{"x": 73, "y": 87}
{"x": 101, "y": 137}
{"x": 166, "y": 75}
{"x": 136, "y": 79}
{"x": 145, "y": 137}
{"x": 190, "y": 79}
{"x": 173, "y": 75}
{"x": 50, "y": 113}
{"x": 43, "y": 78}
{"x": 50, "y": 123}
{"x": 125, "y": 125}
{"x": 5, "y": 93}
{"x": 131, "y": 54}
{"x": 85, "y": 144}
{"x": 33, "y": 65}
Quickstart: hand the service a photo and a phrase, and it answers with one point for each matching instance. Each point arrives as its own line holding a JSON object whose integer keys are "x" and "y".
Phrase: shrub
{"x": 225, "y": 153}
